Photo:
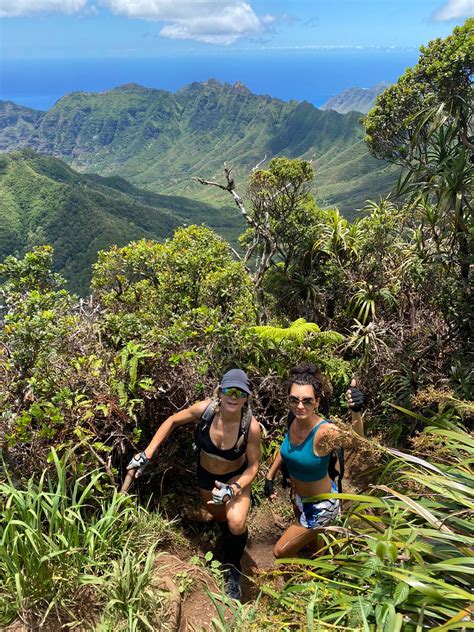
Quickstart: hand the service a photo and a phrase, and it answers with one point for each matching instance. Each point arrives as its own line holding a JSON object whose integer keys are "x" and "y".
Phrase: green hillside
{"x": 16, "y": 124}
{"x": 43, "y": 200}
{"x": 159, "y": 140}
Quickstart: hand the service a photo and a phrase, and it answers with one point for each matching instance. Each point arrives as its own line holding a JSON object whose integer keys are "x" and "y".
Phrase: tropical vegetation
{"x": 84, "y": 383}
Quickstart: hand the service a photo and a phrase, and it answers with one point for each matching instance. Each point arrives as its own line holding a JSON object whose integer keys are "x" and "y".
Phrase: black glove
{"x": 358, "y": 399}
{"x": 268, "y": 488}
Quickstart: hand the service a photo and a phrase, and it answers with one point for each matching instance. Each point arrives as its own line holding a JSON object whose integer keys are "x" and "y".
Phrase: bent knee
{"x": 237, "y": 525}
{"x": 278, "y": 551}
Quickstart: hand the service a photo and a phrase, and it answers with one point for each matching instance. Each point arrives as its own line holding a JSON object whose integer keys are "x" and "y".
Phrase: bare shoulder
{"x": 329, "y": 428}
{"x": 192, "y": 413}
{"x": 199, "y": 407}
{"x": 327, "y": 437}
{"x": 255, "y": 429}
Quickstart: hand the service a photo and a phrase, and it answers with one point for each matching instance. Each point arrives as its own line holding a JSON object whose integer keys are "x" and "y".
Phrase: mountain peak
{"x": 215, "y": 84}
{"x": 241, "y": 87}
{"x": 131, "y": 87}
{"x": 355, "y": 99}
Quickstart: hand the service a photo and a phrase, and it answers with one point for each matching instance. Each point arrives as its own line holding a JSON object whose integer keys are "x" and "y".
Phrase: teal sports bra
{"x": 300, "y": 459}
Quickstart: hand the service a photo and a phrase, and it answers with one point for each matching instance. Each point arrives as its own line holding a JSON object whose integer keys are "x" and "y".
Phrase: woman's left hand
{"x": 221, "y": 494}
{"x": 355, "y": 397}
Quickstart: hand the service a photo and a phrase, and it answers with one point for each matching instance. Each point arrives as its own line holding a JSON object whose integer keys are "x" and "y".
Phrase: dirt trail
{"x": 266, "y": 524}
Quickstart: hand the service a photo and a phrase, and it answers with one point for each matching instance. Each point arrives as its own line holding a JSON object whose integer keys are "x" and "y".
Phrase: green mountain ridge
{"x": 355, "y": 99}
{"x": 160, "y": 140}
{"x": 44, "y": 201}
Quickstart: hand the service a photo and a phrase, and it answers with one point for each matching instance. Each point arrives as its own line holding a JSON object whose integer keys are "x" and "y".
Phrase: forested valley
{"x": 384, "y": 297}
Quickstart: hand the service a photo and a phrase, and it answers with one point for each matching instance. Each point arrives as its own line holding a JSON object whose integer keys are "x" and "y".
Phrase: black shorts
{"x": 206, "y": 479}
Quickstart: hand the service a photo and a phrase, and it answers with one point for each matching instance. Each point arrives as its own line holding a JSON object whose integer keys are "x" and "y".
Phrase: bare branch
{"x": 235, "y": 253}
{"x": 211, "y": 184}
{"x": 230, "y": 188}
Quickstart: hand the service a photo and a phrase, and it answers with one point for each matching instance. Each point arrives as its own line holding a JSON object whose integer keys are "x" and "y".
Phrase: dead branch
{"x": 230, "y": 188}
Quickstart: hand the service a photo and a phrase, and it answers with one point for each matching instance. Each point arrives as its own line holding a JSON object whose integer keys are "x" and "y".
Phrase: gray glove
{"x": 139, "y": 462}
{"x": 222, "y": 493}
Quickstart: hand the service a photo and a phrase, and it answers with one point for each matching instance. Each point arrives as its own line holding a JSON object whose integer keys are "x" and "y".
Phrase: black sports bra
{"x": 232, "y": 454}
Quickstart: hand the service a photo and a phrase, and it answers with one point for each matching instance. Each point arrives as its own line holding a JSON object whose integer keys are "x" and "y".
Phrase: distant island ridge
{"x": 314, "y": 76}
{"x": 161, "y": 141}
{"x": 355, "y": 99}
{"x": 352, "y": 99}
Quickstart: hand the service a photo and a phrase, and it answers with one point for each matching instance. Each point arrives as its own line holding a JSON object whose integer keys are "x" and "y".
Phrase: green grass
{"x": 71, "y": 548}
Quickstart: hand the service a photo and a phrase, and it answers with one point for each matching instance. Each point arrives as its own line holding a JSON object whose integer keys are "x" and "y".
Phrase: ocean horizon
{"x": 313, "y": 75}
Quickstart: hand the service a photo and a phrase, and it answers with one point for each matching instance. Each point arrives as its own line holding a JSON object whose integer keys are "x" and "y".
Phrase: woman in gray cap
{"x": 228, "y": 440}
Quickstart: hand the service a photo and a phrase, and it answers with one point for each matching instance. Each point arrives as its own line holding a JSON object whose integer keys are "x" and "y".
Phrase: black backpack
{"x": 336, "y": 461}
{"x": 206, "y": 420}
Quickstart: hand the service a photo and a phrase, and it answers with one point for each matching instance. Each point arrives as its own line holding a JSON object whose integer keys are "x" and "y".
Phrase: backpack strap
{"x": 204, "y": 421}
{"x": 244, "y": 429}
{"x": 208, "y": 414}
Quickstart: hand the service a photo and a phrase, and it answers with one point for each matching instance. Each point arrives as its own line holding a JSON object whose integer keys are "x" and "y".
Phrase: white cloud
{"x": 210, "y": 21}
{"x": 454, "y": 9}
{"x": 14, "y": 8}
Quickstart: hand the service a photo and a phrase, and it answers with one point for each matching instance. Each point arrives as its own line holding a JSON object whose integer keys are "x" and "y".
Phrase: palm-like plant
{"x": 403, "y": 557}
{"x": 367, "y": 338}
{"x": 363, "y": 305}
{"x": 337, "y": 237}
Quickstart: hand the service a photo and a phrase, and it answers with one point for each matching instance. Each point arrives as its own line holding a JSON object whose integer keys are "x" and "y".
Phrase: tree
{"x": 36, "y": 315}
{"x": 424, "y": 122}
{"x": 400, "y": 126}
{"x": 147, "y": 284}
{"x": 281, "y": 214}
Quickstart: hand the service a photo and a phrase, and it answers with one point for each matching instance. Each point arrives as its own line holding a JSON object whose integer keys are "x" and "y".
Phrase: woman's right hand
{"x": 139, "y": 462}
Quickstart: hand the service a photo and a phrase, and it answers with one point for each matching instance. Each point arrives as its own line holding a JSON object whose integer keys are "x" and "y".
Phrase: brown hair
{"x": 306, "y": 373}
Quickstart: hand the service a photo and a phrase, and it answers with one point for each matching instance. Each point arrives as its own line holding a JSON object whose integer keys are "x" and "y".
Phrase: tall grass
{"x": 60, "y": 543}
{"x": 403, "y": 559}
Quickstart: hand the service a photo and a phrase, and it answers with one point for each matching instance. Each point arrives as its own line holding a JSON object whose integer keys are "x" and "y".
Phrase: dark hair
{"x": 306, "y": 373}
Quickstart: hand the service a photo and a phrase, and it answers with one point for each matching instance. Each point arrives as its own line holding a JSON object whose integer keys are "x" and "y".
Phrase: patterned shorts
{"x": 319, "y": 514}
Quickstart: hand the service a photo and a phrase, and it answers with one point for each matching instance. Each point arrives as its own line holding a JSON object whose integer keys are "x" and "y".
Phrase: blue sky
{"x": 135, "y": 28}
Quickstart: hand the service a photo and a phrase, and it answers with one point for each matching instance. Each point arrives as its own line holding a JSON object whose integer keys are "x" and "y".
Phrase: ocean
{"x": 311, "y": 75}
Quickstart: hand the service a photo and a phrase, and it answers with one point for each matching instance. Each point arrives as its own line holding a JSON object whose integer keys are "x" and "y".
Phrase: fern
{"x": 329, "y": 338}
{"x": 297, "y": 331}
